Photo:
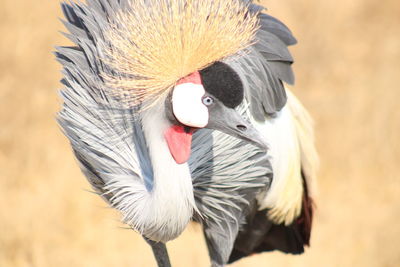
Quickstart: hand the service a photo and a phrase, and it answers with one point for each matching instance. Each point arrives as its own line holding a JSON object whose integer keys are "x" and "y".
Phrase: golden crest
{"x": 154, "y": 43}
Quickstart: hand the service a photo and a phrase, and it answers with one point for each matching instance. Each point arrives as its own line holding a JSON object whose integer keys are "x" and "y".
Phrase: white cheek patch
{"x": 187, "y": 105}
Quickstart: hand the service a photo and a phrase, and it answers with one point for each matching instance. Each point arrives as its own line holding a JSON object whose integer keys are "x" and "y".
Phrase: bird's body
{"x": 247, "y": 198}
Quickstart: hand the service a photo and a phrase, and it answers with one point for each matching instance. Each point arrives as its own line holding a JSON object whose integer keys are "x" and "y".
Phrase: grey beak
{"x": 229, "y": 121}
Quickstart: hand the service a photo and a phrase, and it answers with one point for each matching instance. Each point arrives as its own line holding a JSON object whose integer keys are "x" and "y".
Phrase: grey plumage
{"x": 225, "y": 187}
{"x": 266, "y": 65}
{"x": 108, "y": 140}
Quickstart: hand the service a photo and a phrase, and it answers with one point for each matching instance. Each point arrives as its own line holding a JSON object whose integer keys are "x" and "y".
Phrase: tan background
{"x": 347, "y": 75}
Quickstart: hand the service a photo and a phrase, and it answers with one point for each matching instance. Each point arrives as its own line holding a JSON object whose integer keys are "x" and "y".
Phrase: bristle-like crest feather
{"x": 154, "y": 43}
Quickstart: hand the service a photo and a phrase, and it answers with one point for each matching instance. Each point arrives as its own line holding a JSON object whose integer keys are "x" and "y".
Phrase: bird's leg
{"x": 160, "y": 253}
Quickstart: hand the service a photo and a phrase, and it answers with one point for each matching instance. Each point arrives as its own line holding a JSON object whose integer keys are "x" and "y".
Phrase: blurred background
{"x": 348, "y": 76}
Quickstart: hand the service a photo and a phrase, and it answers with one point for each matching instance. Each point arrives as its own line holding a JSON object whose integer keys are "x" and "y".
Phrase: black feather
{"x": 260, "y": 234}
{"x": 222, "y": 81}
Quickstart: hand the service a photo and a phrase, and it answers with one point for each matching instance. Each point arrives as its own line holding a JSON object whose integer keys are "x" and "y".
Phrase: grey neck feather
{"x": 171, "y": 200}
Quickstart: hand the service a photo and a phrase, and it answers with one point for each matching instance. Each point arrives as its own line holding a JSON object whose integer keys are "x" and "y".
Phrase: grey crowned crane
{"x": 176, "y": 111}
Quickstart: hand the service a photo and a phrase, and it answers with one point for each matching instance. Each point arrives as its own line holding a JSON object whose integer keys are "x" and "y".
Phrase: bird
{"x": 179, "y": 111}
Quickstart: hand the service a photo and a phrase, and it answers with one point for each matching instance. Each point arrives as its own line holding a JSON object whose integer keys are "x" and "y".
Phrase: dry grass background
{"x": 347, "y": 75}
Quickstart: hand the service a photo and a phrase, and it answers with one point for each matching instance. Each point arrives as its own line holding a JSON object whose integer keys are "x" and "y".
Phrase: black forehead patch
{"x": 222, "y": 81}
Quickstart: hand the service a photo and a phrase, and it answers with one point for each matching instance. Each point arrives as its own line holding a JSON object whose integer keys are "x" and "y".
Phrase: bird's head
{"x": 152, "y": 44}
{"x": 207, "y": 99}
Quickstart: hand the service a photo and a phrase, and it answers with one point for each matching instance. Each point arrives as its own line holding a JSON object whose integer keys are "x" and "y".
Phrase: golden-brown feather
{"x": 302, "y": 158}
{"x": 154, "y": 43}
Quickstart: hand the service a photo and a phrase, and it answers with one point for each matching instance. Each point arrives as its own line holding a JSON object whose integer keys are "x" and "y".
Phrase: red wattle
{"x": 179, "y": 143}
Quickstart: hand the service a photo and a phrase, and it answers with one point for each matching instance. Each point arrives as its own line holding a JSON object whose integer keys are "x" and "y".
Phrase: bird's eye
{"x": 207, "y": 100}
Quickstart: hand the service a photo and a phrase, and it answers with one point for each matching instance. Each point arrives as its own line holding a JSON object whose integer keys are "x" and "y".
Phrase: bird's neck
{"x": 172, "y": 192}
